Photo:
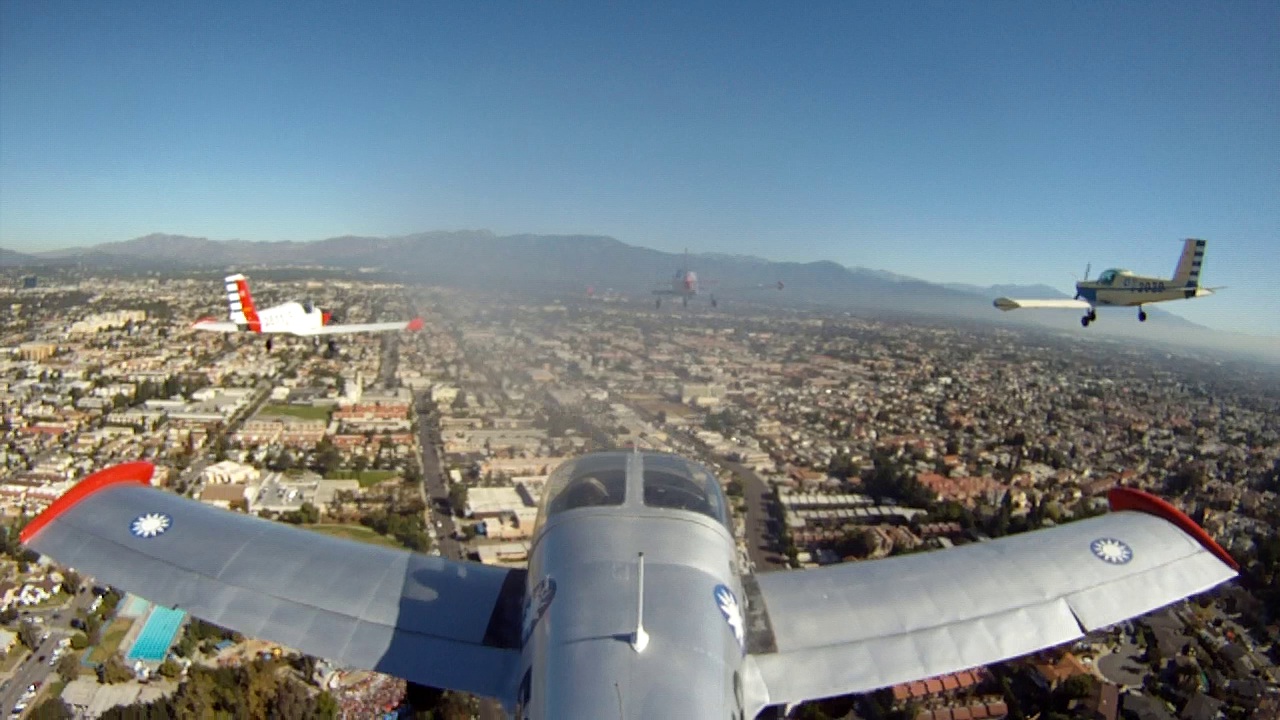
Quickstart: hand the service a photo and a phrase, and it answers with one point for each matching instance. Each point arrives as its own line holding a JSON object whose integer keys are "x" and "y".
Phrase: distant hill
{"x": 10, "y": 258}
{"x": 568, "y": 264}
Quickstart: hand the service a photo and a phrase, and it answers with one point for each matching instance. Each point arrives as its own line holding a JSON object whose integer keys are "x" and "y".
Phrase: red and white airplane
{"x": 293, "y": 318}
{"x": 684, "y": 285}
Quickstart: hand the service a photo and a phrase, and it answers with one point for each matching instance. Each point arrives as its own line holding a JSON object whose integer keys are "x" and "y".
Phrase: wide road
{"x": 762, "y": 541}
{"x": 434, "y": 489}
{"x": 32, "y": 670}
{"x": 436, "y": 492}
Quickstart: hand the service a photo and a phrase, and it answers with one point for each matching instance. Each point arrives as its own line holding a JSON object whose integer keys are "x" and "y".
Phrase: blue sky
{"x": 992, "y": 142}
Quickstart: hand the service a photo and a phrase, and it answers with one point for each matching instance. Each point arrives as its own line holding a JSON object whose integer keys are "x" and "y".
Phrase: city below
{"x": 837, "y": 437}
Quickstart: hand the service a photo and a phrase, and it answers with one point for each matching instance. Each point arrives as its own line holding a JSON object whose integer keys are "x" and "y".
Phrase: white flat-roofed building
{"x": 229, "y": 471}
{"x": 512, "y": 554}
{"x": 485, "y": 502}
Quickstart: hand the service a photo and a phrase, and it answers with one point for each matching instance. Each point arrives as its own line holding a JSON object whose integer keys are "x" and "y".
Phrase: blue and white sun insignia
{"x": 1111, "y": 550}
{"x": 150, "y": 525}
{"x": 732, "y": 613}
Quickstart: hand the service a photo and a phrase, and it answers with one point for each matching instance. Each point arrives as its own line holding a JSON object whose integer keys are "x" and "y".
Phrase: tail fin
{"x": 1187, "y": 274}
{"x": 240, "y": 302}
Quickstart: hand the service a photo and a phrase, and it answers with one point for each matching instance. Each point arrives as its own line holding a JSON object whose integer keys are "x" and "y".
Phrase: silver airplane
{"x": 634, "y": 604}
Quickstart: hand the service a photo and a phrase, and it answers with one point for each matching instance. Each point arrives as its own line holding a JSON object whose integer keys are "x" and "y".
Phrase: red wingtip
{"x": 1127, "y": 498}
{"x": 415, "y": 324}
{"x": 138, "y": 472}
{"x": 206, "y": 318}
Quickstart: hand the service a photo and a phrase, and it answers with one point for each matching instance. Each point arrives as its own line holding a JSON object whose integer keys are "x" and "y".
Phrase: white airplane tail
{"x": 1187, "y": 274}
{"x": 240, "y": 302}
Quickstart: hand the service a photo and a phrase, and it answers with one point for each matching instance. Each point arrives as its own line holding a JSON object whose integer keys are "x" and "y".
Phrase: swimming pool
{"x": 154, "y": 640}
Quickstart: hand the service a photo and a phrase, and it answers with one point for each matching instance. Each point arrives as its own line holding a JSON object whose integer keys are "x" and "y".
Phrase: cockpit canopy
{"x": 1108, "y": 277}
{"x": 633, "y": 479}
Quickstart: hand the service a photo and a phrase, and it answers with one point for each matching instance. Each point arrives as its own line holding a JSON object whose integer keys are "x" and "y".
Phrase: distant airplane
{"x": 292, "y": 318}
{"x": 1125, "y": 289}
{"x": 634, "y": 604}
{"x": 684, "y": 284}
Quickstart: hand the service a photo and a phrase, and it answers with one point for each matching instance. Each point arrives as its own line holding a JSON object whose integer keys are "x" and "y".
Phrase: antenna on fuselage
{"x": 1087, "y": 268}
{"x": 640, "y": 638}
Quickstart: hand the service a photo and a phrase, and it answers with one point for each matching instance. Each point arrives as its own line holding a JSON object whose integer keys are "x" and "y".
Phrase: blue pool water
{"x": 153, "y": 642}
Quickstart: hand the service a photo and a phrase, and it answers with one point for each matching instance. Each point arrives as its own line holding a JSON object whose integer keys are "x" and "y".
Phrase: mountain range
{"x": 569, "y": 264}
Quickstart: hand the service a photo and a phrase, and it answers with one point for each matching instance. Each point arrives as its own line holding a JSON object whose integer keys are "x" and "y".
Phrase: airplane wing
{"x": 861, "y": 626}
{"x": 219, "y": 326}
{"x": 413, "y": 325}
{"x": 1007, "y": 304}
{"x": 427, "y": 619}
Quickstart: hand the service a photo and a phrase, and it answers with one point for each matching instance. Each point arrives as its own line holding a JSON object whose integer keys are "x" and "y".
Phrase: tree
{"x": 1078, "y": 687}
{"x": 68, "y": 667}
{"x": 51, "y": 709}
{"x": 857, "y": 543}
{"x": 458, "y": 498}
{"x": 326, "y": 707}
{"x": 79, "y": 641}
{"x": 28, "y": 635}
{"x": 114, "y": 671}
{"x": 169, "y": 668}
{"x": 327, "y": 457}
{"x": 70, "y": 581}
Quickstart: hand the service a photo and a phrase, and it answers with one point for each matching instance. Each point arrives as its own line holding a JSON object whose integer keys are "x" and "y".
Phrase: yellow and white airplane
{"x": 1123, "y": 288}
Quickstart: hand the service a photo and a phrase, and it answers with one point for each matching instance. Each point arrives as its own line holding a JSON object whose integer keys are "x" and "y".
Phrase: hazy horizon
{"x": 984, "y": 144}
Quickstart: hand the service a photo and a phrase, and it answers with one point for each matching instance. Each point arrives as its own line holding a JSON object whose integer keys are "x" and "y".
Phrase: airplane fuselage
{"x": 290, "y": 317}
{"x": 684, "y": 283}
{"x": 582, "y": 657}
{"x": 1125, "y": 289}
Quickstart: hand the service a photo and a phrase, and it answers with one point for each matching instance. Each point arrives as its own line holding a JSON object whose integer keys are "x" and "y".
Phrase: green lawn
{"x": 15, "y": 656}
{"x": 306, "y": 412}
{"x": 355, "y": 532}
{"x": 366, "y": 477}
{"x": 111, "y": 638}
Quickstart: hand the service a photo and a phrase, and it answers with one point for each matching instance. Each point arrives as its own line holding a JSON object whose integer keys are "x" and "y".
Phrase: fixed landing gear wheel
{"x": 332, "y": 348}
{"x": 269, "y": 344}
{"x": 1142, "y": 316}
{"x": 1084, "y": 321}
{"x": 1093, "y": 315}
{"x": 713, "y": 301}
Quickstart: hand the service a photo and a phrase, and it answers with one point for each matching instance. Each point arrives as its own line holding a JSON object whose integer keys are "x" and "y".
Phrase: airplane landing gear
{"x": 331, "y": 349}
{"x": 1089, "y": 317}
{"x": 713, "y": 301}
{"x": 1084, "y": 321}
{"x": 270, "y": 343}
{"x": 1142, "y": 315}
